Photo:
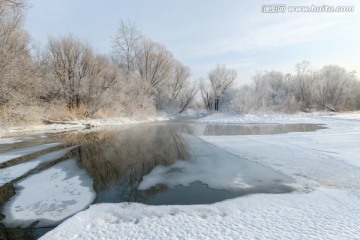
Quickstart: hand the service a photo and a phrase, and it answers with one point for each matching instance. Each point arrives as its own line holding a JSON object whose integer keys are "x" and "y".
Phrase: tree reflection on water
{"x": 117, "y": 161}
{"x": 258, "y": 129}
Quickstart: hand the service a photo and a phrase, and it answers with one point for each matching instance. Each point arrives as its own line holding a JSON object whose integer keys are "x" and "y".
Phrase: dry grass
{"x": 18, "y": 117}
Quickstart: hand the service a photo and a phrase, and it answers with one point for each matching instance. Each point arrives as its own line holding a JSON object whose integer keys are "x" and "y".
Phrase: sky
{"x": 204, "y": 33}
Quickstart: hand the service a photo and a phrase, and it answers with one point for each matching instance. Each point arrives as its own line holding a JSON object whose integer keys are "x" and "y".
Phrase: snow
{"x": 49, "y": 196}
{"x": 326, "y": 163}
{"x": 339, "y": 141}
{"x": 12, "y": 154}
{"x": 322, "y": 214}
{"x": 213, "y": 166}
{"x": 322, "y": 117}
{"x": 77, "y": 125}
{"x": 254, "y": 118}
{"x": 315, "y": 162}
{"x": 10, "y": 173}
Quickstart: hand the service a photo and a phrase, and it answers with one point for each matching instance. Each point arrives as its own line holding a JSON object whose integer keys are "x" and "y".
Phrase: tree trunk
{"x": 217, "y": 104}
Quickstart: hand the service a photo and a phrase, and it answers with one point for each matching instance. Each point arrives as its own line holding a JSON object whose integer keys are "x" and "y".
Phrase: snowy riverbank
{"x": 325, "y": 163}
{"x": 77, "y": 125}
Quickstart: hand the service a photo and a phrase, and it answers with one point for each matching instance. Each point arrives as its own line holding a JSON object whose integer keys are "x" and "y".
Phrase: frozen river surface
{"x": 47, "y": 179}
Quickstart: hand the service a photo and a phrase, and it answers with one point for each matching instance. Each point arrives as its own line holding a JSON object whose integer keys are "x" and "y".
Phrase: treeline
{"x": 331, "y": 88}
{"x": 68, "y": 79}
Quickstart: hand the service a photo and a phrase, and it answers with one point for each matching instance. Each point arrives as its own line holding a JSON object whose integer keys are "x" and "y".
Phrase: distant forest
{"x": 67, "y": 79}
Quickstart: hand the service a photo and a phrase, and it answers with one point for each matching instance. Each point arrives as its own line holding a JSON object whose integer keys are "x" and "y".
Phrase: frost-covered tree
{"x": 333, "y": 86}
{"x": 306, "y": 86}
{"x": 330, "y": 88}
{"x": 271, "y": 90}
{"x": 101, "y": 76}
{"x": 243, "y": 100}
{"x": 83, "y": 76}
{"x": 207, "y": 95}
{"x": 181, "y": 91}
{"x": 178, "y": 80}
{"x": 162, "y": 79}
{"x": 69, "y": 60}
{"x": 125, "y": 45}
{"x": 16, "y": 68}
{"x": 220, "y": 78}
{"x": 153, "y": 62}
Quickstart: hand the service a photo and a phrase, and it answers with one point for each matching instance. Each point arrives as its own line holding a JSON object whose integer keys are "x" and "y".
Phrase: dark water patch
{"x": 258, "y": 129}
{"x": 17, "y": 233}
{"x": 200, "y": 193}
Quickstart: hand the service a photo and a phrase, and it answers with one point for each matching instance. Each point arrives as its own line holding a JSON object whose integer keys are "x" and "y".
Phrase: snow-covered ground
{"x": 317, "y": 117}
{"x": 322, "y": 214}
{"x": 77, "y": 125}
{"x": 326, "y": 163}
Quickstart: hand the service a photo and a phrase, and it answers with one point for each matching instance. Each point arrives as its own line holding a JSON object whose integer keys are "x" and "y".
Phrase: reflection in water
{"x": 118, "y": 161}
{"x": 222, "y": 175}
{"x": 258, "y": 129}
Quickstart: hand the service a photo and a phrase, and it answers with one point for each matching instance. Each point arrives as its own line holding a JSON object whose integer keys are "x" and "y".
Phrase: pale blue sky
{"x": 202, "y": 33}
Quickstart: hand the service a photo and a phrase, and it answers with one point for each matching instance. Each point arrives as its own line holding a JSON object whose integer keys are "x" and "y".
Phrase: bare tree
{"x": 181, "y": 90}
{"x": 244, "y": 100}
{"x": 69, "y": 60}
{"x": 356, "y": 95}
{"x": 101, "y": 76}
{"x": 332, "y": 86}
{"x": 305, "y": 79}
{"x": 125, "y": 45}
{"x": 220, "y": 78}
{"x": 13, "y": 3}
{"x": 153, "y": 63}
{"x": 207, "y": 95}
{"x": 187, "y": 97}
{"x": 164, "y": 80}
{"x": 271, "y": 90}
{"x": 14, "y": 52}
{"x": 179, "y": 80}
{"x": 83, "y": 75}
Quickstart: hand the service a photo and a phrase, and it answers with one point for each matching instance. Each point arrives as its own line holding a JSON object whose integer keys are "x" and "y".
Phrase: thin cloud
{"x": 270, "y": 36}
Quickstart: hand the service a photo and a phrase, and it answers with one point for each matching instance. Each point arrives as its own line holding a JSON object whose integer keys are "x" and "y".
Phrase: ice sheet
{"x": 10, "y": 173}
{"x": 213, "y": 166}
{"x": 49, "y": 196}
{"x": 11, "y": 154}
{"x": 325, "y": 158}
